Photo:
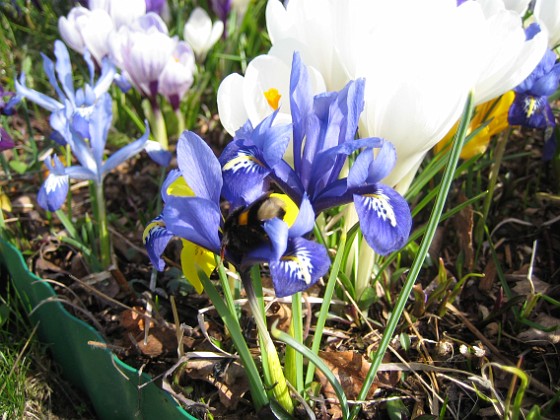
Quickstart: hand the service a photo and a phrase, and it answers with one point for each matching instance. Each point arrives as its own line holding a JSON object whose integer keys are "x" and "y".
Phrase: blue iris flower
{"x": 192, "y": 211}
{"x": 252, "y": 165}
{"x": 70, "y": 100}
{"x": 531, "y": 107}
{"x": 87, "y": 138}
{"x": 73, "y": 103}
{"x": 323, "y": 137}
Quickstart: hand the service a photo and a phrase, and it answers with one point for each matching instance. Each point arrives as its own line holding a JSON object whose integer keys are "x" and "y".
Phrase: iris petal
{"x": 199, "y": 166}
{"x": 299, "y": 268}
{"x": 53, "y": 192}
{"x": 195, "y": 219}
{"x": 384, "y": 219}
{"x": 155, "y": 238}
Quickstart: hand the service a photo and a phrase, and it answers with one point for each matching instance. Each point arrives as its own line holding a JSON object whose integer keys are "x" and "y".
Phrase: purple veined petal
{"x": 301, "y": 104}
{"x": 126, "y": 152}
{"x": 49, "y": 68}
{"x": 53, "y": 192}
{"x": 370, "y": 170}
{"x": 99, "y": 123}
{"x": 333, "y": 122}
{"x": 335, "y": 194}
{"x": 64, "y": 69}
{"x": 194, "y": 219}
{"x": 530, "y": 111}
{"x": 199, "y": 166}
{"x": 155, "y": 238}
{"x": 323, "y": 170}
{"x": 244, "y": 173}
{"x": 157, "y": 153}
{"x": 277, "y": 231}
{"x": 271, "y": 141}
{"x": 548, "y": 83}
{"x": 305, "y": 219}
{"x": 288, "y": 181}
{"x": 299, "y": 268}
{"x": 385, "y": 219}
{"x": 39, "y": 98}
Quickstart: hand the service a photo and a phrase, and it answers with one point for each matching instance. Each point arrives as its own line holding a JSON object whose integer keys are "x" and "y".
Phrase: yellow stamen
{"x": 273, "y": 97}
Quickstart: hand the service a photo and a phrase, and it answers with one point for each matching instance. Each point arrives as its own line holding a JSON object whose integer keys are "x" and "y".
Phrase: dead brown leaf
{"x": 229, "y": 378}
{"x": 463, "y": 223}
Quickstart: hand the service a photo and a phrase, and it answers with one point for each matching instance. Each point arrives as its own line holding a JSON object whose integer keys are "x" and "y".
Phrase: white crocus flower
{"x": 200, "y": 33}
{"x": 547, "y": 13}
{"x": 420, "y": 59}
{"x": 505, "y": 56}
{"x": 87, "y": 29}
{"x": 264, "y": 89}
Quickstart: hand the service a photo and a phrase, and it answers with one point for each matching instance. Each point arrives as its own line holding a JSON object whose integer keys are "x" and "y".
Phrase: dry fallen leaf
{"x": 228, "y": 377}
{"x": 548, "y": 323}
{"x": 351, "y": 368}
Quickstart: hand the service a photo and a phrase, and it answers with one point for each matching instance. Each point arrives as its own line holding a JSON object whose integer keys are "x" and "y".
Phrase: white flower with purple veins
{"x": 70, "y": 100}
{"x": 122, "y": 12}
{"x": 178, "y": 74}
{"x": 86, "y": 29}
{"x": 200, "y": 33}
{"x": 142, "y": 50}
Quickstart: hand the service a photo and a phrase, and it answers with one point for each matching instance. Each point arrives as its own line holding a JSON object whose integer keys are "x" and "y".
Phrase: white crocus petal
{"x": 230, "y": 103}
{"x": 307, "y": 27}
{"x": 200, "y": 33}
{"x": 70, "y": 31}
{"x": 506, "y": 56}
{"x": 89, "y": 29}
{"x": 547, "y": 13}
{"x": 518, "y": 6}
{"x": 96, "y": 32}
{"x": 243, "y": 98}
{"x": 416, "y": 83}
{"x": 125, "y": 12}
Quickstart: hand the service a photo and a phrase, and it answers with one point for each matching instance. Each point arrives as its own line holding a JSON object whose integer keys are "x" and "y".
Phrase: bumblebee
{"x": 243, "y": 229}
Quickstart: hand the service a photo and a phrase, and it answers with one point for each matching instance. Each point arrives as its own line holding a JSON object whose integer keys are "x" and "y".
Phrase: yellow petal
{"x": 193, "y": 258}
{"x": 180, "y": 188}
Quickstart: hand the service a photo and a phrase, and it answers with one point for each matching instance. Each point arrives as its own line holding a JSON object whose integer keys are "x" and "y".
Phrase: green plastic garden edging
{"x": 111, "y": 385}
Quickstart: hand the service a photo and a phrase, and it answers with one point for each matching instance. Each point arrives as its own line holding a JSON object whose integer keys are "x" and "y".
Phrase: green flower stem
{"x": 279, "y": 385}
{"x": 437, "y": 210}
{"x": 68, "y": 153}
{"x": 103, "y": 231}
{"x": 294, "y": 360}
{"x": 160, "y": 131}
{"x": 327, "y": 298}
{"x": 180, "y": 122}
{"x": 231, "y": 322}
